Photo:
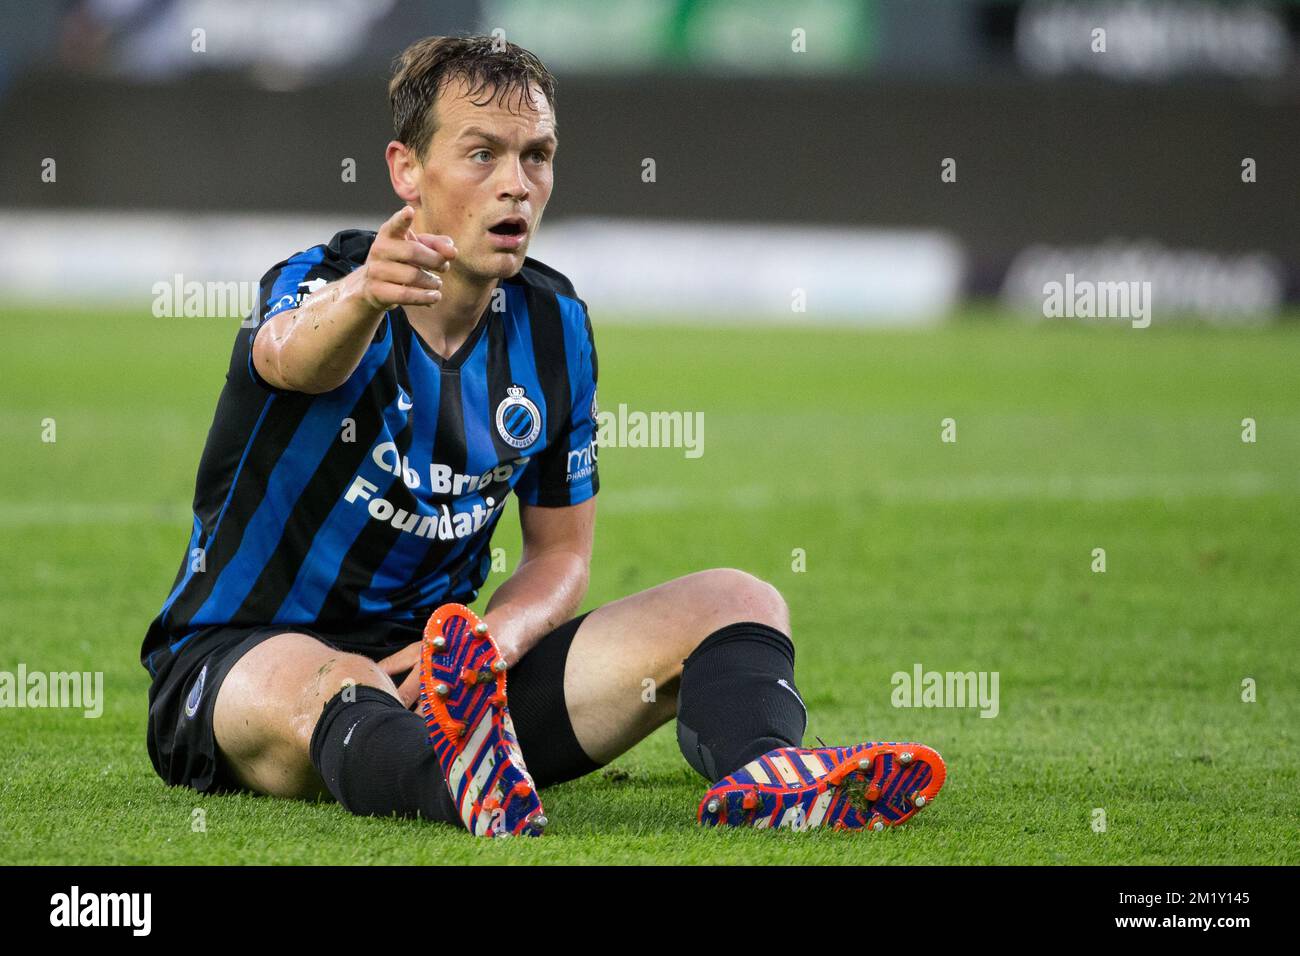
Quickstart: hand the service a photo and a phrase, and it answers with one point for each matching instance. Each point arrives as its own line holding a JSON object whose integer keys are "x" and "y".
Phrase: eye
{"x": 540, "y": 156}
{"x": 485, "y": 154}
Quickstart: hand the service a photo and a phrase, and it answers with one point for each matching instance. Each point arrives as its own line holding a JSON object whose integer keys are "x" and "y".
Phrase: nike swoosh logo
{"x": 784, "y": 683}
{"x": 348, "y": 735}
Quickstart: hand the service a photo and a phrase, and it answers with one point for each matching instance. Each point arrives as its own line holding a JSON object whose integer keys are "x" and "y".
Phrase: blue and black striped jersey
{"x": 378, "y": 499}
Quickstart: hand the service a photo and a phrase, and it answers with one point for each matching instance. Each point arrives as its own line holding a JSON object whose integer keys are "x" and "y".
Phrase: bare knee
{"x": 340, "y": 670}
{"x": 334, "y": 674}
{"x": 732, "y": 595}
{"x": 717, "y": 598}
{"x": 269, "y": 704}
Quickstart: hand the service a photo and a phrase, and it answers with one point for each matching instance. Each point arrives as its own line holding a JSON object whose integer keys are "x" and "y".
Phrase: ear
{"x": 404, "y": 172}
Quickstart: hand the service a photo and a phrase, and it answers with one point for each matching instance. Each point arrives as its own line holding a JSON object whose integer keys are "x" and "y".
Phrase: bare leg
{"x": 270, "y": 702}
{"x": 622, "y": 675}
{"x": 620, "y": 682}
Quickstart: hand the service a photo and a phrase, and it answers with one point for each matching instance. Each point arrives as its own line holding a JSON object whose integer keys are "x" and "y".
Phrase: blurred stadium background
{"x": 810, "y": 133}
{"x": 798, "y": 271}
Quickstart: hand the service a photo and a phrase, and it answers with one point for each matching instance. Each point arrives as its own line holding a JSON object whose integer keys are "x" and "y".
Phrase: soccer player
{"x": 397, "y": 386}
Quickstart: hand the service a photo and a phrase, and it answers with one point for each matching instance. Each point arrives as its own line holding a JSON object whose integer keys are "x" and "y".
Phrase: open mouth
{"x": 513, "y": 226}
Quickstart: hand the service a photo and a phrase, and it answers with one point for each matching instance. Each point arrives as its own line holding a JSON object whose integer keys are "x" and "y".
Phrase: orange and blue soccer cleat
{"x": 463, "y": 701}
{"x": 871, "y": 785}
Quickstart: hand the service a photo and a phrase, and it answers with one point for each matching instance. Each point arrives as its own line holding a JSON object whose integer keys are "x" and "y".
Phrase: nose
{"x": 514, "y": 181}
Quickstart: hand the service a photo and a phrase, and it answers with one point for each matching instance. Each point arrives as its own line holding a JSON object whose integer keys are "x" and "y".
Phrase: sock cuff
{"x": 745, "y": 631}
{"x": 336, "y": 705}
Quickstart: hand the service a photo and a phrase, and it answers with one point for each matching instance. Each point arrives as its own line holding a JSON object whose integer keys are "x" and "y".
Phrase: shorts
{"x": 187, "y": 678}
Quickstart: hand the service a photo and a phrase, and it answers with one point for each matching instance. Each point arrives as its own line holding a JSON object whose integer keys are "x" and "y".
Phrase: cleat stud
{"x": 919, "y": 800}
{"x": 864, "y": 764}
{"x": 480, "y": 628}
{"x": 714, "y": 805}
{"x": 873, "y": 793}
{"x": 878, "y": 825}
{"x": 540, "y": 821}
{"x": 499, "y": 666}
{"x": 905, "y": 757}
{"x": 440, "y": 643}
{"x": 442, "y": 690}
{"x": 521, "y": 789}
{"x": 750, "y": 800}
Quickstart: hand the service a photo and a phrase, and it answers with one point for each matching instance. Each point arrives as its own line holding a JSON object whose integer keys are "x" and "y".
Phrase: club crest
{"x": 196, "y": 693}
{"x": 518, "y": 420}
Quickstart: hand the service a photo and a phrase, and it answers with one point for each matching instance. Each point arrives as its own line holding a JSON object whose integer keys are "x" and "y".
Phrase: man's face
{"x": 486, "y": 177}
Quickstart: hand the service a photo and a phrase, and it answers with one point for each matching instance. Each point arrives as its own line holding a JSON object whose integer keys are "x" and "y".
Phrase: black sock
{"x": 374, "y": 756}
{"x": 737, "y": 699}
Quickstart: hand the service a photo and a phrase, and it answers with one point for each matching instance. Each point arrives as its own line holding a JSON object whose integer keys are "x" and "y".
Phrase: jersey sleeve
{"x": 286, "y": 285}
{"x": 565, "y": 472}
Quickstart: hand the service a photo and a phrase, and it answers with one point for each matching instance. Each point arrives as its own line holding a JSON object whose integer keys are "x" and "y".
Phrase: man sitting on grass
{"x": 398, "y": 385}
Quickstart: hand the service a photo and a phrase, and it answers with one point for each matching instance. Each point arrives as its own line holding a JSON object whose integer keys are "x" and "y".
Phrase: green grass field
{"x": 1119, "y": 690}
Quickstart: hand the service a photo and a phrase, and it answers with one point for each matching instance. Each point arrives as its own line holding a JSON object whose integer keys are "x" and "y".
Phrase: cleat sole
{"x": 882, "y": 785}
{"x": 464, "y": 702}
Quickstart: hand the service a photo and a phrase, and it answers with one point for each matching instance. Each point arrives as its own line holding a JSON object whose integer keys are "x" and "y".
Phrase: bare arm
{"x": 543, "y": 593}
{"x": 551, "y": 579}
{"x": 317, "y": 346}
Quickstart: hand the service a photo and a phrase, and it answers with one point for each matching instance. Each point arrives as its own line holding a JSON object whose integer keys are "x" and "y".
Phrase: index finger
{"x": 404, "y": 659}
{"x": 409, "y": 692}
{"x": 445, "y": 246}
{"x": 397, "y": 224}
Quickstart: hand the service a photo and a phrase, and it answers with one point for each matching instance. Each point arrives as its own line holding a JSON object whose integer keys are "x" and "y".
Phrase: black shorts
{"x": 183, "y": 745}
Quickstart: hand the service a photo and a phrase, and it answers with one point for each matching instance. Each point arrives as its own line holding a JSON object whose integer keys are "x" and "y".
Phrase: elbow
{"x": 317, "y": 386}
{"x": 580, "y": 576}
{"x": 277, "y": 366}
